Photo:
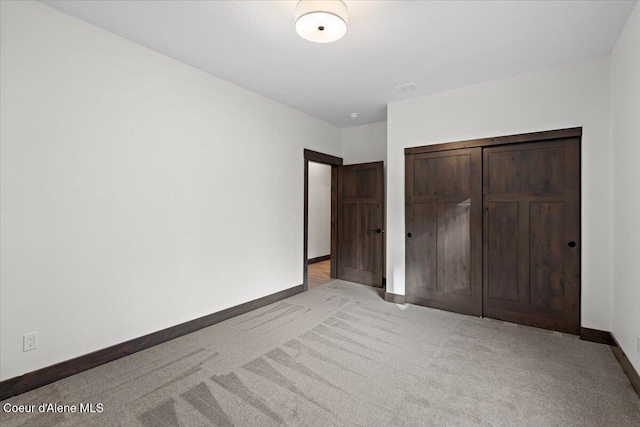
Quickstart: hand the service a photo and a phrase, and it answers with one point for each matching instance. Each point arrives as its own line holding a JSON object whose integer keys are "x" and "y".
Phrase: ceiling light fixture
{"x": 353, "y": 115}
{"x": 321, "y": 21}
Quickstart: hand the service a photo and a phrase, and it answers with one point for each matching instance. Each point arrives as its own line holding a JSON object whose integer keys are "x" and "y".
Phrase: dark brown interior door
{"x": 360, "y": 223}
{"x": 532, "y": 233}
{"x": 443, "y": 217}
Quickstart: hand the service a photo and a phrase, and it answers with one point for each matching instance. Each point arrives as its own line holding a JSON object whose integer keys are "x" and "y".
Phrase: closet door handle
{"x": 378, "y": 230}
{"x": 572, "y": 244}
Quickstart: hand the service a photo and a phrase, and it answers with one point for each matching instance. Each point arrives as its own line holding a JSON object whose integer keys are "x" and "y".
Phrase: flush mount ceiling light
{"x": 321, "y": 21}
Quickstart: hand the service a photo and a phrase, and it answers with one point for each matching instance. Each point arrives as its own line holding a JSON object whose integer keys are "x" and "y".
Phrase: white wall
{"x": 319, "y": 210}
{"x": 570, "y": 95}
{"x": 625, "y": 131}
{"x": 365, "y": 143}
{"x": 137, "y": 192}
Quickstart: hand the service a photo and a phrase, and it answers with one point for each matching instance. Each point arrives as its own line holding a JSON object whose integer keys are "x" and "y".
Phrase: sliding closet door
{"x": 532, "y": 233}
{"x": 443, "y": 217}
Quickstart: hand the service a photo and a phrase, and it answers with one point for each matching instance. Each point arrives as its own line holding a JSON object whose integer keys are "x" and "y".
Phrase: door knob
{"x": 378, "y": 230}
{"x": 572, "y": 244}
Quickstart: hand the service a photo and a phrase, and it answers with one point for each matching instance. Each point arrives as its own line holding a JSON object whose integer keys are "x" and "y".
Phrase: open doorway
{"x": 320, "y": 217}
{"x": 319, "y": 243}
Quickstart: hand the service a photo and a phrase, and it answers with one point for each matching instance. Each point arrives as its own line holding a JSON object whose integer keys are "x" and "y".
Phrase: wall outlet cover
{"x": 30, "y": 341}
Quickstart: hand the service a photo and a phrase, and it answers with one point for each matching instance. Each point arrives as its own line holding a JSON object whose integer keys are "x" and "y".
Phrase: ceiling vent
{"x": 409, "y": 87}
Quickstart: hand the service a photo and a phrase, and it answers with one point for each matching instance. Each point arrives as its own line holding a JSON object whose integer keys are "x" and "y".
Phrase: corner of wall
{"x": 625, "y": 132}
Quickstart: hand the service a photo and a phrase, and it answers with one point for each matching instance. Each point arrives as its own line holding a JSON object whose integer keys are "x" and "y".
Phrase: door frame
{"x": 498, "y": 140}
{"x": 335, "y": 163}
{"x": 533, "y": 137}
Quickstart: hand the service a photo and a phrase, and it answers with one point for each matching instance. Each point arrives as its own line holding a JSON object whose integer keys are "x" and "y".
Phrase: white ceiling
{"x": 439, "y": 45}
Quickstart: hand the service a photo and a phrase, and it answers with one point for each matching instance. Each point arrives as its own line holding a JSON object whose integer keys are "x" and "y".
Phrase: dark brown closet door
{"x": 443, "y": 217}
{"x": 532, "y": 234}
{"x": 360, "y": 223}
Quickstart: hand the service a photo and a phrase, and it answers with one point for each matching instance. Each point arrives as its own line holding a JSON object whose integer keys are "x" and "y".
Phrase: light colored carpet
{"x": 339, "y": 355}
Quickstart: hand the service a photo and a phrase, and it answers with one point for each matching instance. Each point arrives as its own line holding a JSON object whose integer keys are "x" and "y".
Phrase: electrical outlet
{"x": 30, "y": 341}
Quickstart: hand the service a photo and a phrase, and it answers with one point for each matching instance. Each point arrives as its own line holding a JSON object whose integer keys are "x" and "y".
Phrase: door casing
{"x": 335, "y": 163}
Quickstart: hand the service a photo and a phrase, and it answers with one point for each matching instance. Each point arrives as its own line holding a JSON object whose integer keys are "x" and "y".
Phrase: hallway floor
{"x": 319, "y": 273}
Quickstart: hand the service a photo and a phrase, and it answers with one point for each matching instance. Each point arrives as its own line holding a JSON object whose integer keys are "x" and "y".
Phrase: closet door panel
{"x": 454, "y": 261}
{"x": 444, "y": 230}
{"x": 503, "y": 254}
{"x": 531, "y": 202}
{"x": 423, "y": 255}
{"x": 546, "y": 254}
